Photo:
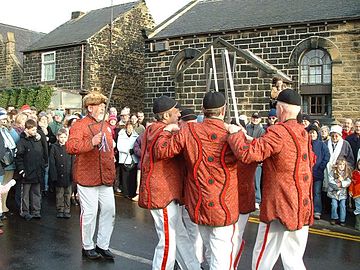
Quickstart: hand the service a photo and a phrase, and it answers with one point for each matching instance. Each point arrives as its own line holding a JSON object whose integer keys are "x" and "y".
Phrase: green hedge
{"x": 38, "y": 96}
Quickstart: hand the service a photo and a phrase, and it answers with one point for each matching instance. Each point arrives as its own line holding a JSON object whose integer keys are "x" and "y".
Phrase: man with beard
{"x": 94, "y": 172}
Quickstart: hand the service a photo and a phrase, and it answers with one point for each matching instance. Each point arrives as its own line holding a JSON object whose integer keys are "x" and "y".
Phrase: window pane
{"x": 49, "y": 57}
{"x": 49, "y": 72}
{"x": 327, "y": 78}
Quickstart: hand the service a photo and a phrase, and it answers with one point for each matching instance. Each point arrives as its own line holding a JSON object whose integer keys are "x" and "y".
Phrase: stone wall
{"x": 120, "y": 51}
{"x": 275, "y": 45}
{"x": 11, "y": 72}
{"x": 67, "y": 68}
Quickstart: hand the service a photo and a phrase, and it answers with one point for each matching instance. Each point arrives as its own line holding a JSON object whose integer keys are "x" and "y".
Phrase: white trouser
{"x": 273, "y": 240}
{"x": 173, "y": 240}
{"x": 90, "y": 199}
{"x": 239, "y": 243}
{"x": 224, "y": 243}
{"x": 194, "y": 234}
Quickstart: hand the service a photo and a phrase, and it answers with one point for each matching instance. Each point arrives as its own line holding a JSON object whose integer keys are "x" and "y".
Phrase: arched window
{"x": 315, "y": 82}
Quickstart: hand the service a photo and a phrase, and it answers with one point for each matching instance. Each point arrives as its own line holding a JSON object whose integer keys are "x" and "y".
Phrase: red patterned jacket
{"x": 92, "y": 167}
{"x": 211, "y": 184}
{"x": 161, "y": 180}
{"x": 286, "y": 153}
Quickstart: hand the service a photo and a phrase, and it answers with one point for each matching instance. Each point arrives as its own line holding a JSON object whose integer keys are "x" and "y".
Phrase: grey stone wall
{"x": 67, "y": 68}
{"x": 274, "y": 45}
{"x": 120, "y": 51}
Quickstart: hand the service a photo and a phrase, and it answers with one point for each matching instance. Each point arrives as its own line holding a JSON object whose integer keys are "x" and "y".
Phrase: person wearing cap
{"x": 286, "y": 209}
{"x": 161, "y": 189}
{"x": 338, "y": 148}
{"x": 211, "y": 193}
{"x": 90, "y": 139}
{"x": 322, "y": 158}
{"x": 271, "y": 119}
{"x": 57, "y": 122}
{"x": 255, "y": 130}
{"x": 25, "y": 109}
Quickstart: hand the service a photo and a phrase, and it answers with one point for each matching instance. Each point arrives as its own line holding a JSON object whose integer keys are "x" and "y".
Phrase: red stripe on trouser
{"x": 239, "y": 254}
{"x": 166, "y": 232}
{"x": 263, "y": 246}
{"x": 232, "y": 249}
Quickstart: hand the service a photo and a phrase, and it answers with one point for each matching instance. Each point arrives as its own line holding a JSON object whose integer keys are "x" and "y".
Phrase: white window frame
{"x": 44, "y": 77}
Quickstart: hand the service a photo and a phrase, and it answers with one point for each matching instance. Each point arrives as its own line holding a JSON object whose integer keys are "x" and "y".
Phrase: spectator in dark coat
{"x": 322, "y": 158}
{"x": 60, "y": 174}
{"x": 354, "y": 141}
{"x": 30, "y": 163}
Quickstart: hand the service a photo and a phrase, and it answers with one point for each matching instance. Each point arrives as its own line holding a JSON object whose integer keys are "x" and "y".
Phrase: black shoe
{"x": 3, "y": 217}
{"x": 45, "y": 193}
{"x": 60, "y": 215}
{"x": 106, "y": 254}
{"x": 27, "y": 217}
{"x": 67, "y": 215}
{"x": 37, "y": 216}
{"x": 91, "y": 254}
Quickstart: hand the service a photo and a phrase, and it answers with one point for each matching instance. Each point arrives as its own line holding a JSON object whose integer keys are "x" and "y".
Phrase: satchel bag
{"x": 8, "y": 157}
{"x": 130, "y": 166}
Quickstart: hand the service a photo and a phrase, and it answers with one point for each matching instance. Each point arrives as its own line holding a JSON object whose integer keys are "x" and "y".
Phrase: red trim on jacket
{"x": 226, "y": 185}
{"x": 196, "y": 167}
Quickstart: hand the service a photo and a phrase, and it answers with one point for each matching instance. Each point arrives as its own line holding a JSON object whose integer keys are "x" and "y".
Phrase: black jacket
{"x": 30, "y": 157}
{"x": 60, "y": 166}
{"x": 354, "y": 141}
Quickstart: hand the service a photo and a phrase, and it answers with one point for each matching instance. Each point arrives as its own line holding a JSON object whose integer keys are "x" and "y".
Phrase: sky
{"x": 45, "y": 15}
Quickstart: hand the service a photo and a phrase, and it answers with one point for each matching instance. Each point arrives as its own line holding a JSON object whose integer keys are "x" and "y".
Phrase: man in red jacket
{"x": 161, "y": 189}
{"x": 286, "y": 209}
{"x": 94, "y": 173}
{"x": 211, "y": 192}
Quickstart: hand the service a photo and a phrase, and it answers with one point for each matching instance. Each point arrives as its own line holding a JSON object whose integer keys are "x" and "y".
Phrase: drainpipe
{"x": 82, "y": 69}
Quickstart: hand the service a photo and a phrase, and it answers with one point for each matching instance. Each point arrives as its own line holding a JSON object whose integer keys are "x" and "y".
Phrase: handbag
{"x": 130, "y": 166}
{"x": 8, "y": 157}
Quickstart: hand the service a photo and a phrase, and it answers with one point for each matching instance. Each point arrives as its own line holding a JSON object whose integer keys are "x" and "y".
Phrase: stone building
{"x": 86, "y": 52}
{"x": 13, "y": 40}
{"x": 313, "y": 44}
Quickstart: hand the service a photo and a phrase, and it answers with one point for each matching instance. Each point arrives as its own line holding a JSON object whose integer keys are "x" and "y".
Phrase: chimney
{"x": 76, "y": 14}
{"x": 10, "y": 44}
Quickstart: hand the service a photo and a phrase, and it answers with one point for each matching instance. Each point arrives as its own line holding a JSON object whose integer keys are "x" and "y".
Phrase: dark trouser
{"x": 317, "y": 187}
{"x": 128, "y": 179}
{"x": 30, "y": 199}
{"x": 63, "y": 195}
{"x": 258, "y": 174}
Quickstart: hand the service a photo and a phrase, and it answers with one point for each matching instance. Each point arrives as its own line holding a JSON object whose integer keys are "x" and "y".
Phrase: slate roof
{"x": 77, "y": 31}
{"x": 23, "y": 38}
{"x": 209, "y": 16}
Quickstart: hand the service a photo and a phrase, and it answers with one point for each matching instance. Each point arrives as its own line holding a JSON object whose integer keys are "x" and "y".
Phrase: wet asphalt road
{"x": 54, "y": 244}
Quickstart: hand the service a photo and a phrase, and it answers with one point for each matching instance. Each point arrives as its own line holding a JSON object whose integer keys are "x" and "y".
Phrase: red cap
{"x": 25, "y": 107}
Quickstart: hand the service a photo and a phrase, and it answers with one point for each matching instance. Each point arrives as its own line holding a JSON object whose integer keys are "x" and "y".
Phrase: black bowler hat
{"x": 289, "y": 96}
{"x": 213, "y": 100}
{"x": 188, "y": 115}
{"x": 163, "y": 104}
{"x": 255, "y": 115}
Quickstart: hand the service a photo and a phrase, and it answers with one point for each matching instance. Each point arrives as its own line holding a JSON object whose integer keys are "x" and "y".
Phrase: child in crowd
{"x": 30, "y": 163}
{"x": 113, "y": 121}
{"x": 60, "y": 174}
{"x": 354, "y": 191}
{"x": 339, "y": 181}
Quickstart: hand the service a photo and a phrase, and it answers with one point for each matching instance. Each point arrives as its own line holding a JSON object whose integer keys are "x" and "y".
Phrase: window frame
{"x": 45, "y": 63}
{"x": 313, "y": 92}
